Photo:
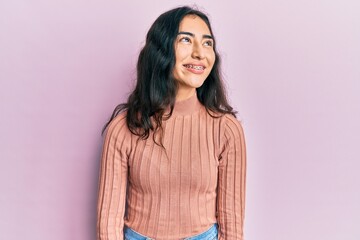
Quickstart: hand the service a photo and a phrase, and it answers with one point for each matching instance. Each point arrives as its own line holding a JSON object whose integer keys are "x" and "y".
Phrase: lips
{"x": 195, "y": 67}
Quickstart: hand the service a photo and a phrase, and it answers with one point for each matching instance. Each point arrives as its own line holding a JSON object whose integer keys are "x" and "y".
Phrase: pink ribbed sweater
{"x": 178, "y": 192}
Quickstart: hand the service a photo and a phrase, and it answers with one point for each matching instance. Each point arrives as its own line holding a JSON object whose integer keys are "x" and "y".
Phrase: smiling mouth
{"x": 194, "y": 67}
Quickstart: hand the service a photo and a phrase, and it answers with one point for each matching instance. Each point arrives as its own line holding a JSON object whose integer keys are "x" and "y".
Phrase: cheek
{"x": 212, "y": 59}
{"x": 210, "y": 55}
{"x": 181, "y": 53}
{"x": 213, "y": 56}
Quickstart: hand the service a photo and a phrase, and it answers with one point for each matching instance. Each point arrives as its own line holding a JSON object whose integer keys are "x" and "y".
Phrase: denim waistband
{"x": 209, "y": 234}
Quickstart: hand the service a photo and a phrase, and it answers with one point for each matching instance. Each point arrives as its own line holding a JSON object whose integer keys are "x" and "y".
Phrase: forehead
{"x": 193, "y": 24}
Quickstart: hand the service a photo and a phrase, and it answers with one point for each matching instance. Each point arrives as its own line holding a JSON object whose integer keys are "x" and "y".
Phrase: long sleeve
{"x": 232, "y": 182}
{"x": 112, "y": 182}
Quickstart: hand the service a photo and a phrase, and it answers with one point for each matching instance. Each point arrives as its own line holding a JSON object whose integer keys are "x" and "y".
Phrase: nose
{"x": 197, "y": 51}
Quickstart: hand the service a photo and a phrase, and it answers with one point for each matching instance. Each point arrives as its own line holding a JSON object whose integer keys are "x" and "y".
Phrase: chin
{"x": 195, "y": 84}
{"x": 198, "y": 84}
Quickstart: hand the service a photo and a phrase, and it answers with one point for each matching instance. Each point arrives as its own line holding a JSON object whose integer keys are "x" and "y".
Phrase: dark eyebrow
{"x": 193, "y": 35}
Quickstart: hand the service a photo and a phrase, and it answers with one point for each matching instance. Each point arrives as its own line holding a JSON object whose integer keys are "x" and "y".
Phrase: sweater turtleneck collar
{"x": 187, "y": 106}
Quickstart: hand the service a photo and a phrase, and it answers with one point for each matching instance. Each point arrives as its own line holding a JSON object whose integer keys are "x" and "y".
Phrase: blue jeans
{"x": 210, "y": 234}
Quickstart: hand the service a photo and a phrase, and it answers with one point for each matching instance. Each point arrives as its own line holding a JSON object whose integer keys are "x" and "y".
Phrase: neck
{"x": 187, "y": 106}
{"x": 183, "y": 94}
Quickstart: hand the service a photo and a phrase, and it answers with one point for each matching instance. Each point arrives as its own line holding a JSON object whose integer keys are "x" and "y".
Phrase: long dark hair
{"x": 156, "y": 87}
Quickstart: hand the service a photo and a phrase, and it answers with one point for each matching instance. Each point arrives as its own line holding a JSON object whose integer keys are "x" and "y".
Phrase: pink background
{"x": 293, "y": 72}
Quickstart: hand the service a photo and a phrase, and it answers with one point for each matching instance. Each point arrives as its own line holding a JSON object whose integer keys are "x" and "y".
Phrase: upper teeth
{"x": 194, "y": 67}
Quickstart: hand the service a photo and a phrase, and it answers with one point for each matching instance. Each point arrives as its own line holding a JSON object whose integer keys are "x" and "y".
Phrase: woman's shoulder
{"x": 227, "y": 120}
{"x": 231, "y": 124}
{"x": 118, "y": 124}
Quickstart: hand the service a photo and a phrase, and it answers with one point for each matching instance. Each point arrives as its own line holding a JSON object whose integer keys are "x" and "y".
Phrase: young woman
{"x": 174, "y": 160}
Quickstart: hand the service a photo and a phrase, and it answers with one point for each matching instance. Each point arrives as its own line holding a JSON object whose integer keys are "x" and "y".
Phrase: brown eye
{"x": 185, "y": 39}
{"x": 209, "y": 43}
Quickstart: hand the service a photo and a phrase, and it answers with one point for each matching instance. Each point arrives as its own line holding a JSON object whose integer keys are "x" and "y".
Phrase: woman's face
{"x": 194, "y": 54}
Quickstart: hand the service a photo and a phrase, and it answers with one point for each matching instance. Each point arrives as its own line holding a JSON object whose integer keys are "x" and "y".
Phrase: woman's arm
{"x": 112, "y": 182}
{"x": 232, "y": 181}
